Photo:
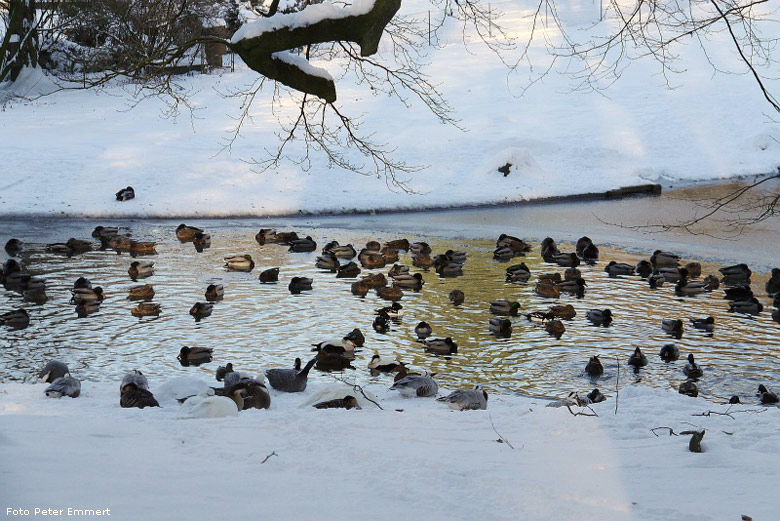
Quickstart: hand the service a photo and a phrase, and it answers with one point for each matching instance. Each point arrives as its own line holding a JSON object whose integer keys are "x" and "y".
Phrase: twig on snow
{"x": 500, "y": 438}
{"x": 269, "y": 457}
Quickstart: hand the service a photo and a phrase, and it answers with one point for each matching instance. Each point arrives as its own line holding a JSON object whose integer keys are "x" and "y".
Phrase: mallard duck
{"x": 416, "y": 386}
{"x": 414, "y": 282}
{"x": 85, "y": 308}
{"x": 504, "y": 253}
{"x": 146, "y": 309}
{"x": 656, "y": 280}
{"x": 115, "y": 242}
{"x": 420, "y": 248}
{"x": 549, "y": 278}
{"x": 390, "y": 255}
{"x": 590, "y": 254}
{"x": 342, "y": 252}
{"x": 380, "y": 363}
{"x": 373, "y": 245}
{"x": 669, "y": 353}
{"x": 374, "y": 280}
{"x": 688, "y": 388}
{"x": 285, "y": 238}
{"x": 595, "y": 396}
{"x": 614, "y": 269}
{"x": 140, "y": 269}
{"x": 672, "y": 326}
{"x": 548, "y": 244}
{"x": 335, "y": 345}
{"x": 594, "y": 367}
{"x": 299, "y": 284}
{"x": 772, "y": 286}
{"x": 711, "y": 282}
{"x": 669, "y": 273}
{"x": 504, "y": 307}
{"x": 738, "y": 293}
{"x": 265, "y": 235}
{"x": 736, "y": 273}
{"x": 77, "y": 246}
{"x": 565, "y": 311}
{"x": 398, "y": 244}
{"x": 422, "y": 261}
{"x": 693, "y": 269}
{"x": 572, "y": 274}
{"x": 215, "y": 292}
{"x": 500, "y": 327}
{"x": 302, "y": 245}
{"x": 254, "y": 394}
{"x": 348, "y": 271}
{"x": 573, "y": 286}
{"x": 327, "y": 261}
{"x": 750, "y": 307}
{"x": 35, "y": 295}
{"x": 398, "y": 269}
{"x": 370, "y": 259}
{"x": 600, "y": 317}
{"x": 269, "y": 276}
{"x": 51, "y": 371}
{"x": 390, "y": 293}
{"x": 201, "y": 241}
{"x": 776, "y": 315}
{"x": 566, "y": 260}
{"x": 133, "y": 396}
{"x": 448, "y": 269}
{"x": 201, "y": 310}
{"x": 348, "y": 402}
{"x": 582, "y": 243}
{"x": 13, "y": 247}
{"x": 187, "y": 233}
{"x": 637, "y": 358}
{"x": 707, "y": 324}
{"x": 357, "y": 337}
{"x": 332, "y": 362}
{"x": 125, "y": 194}
{"x": 644, "y": 268}
{"x": 734, "y": 400}
{"x": 664, "y": 258}
{"x": 359, "y": 288}
{"x": 87, "y": 295}
{"x": 466, "y": 400}
{"x": 441, "y": 346}
{"x": 457, "y": 297}
{"x": 194, "y": 356}
{"x": 767, "y": 396}
{"x": 64, "y": 386}
{"x": 136, "y": 378}
{"x": 555, "y": 328}
{"x": 423, "y": 330}
{"x": 224, "y": 370}
{"x": 518, "y": 273}
{"x": 544, "y": 289}
{"x": 687, "y": 288}
{"x": 381, "y": 323}
{"x": 145, "y": 292}
{"x": 60, "y": 248}
{"x": 240, "y": 263}
{"x": 691, "y": 370}
{"x": 517, "y": 245}
{"x": 105, "y": 231}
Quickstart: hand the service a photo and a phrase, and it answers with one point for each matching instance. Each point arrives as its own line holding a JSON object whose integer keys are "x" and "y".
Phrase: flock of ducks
{"x": 242, "y": 391}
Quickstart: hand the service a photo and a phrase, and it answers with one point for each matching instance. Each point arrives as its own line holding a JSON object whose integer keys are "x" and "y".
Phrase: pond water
{"x": 262, "y": 325}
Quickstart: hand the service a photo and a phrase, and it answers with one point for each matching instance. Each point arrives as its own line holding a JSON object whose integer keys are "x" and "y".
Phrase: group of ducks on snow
{"x": 246, "y": 391}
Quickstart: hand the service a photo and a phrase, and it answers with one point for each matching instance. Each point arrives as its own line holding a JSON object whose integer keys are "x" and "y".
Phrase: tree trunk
{"x": 20, "y": 44}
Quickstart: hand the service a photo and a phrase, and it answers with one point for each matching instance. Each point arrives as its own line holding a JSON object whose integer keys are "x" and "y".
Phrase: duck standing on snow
{"x": 133, "y": 396}
{"x": 64, "y": 386}
{"x": 416, "y": 385}
{"x": 51, "y": 371}
{"x": 466, "y": 400}
{"x": 125, "y": 194}
{"x": 290, "y": 380}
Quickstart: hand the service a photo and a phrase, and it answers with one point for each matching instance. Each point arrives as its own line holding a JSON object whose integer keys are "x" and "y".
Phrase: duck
{"x": 398, "y": 269}
{"x": 420, "y": 248}
{"x": 423, "y": 330}
{"x": 77, "y": 246}
{"x": 194, "y": 356}
{"x": 359, "y": 288}
{"x": 370, "y": 259}
{"x": 133, "y": 396}
{"x": 555, "y": 328}
{"x": 201, "y": 310}
{"x": 547, "y": 290}
{"x": 694, "y": 269}
{"x": 59, "y": 248}
{"x": 254, "y": 395}
{"x": 390, "y": 293}
{"x": 566, "y": 260}
{"x": 390, "y": 255}
{"x": 373, "y": 245}
{"x": 572, "y": 274}
{"x": 691, "y": 370}
{"x": 767, "y": 396}
{"x": 595, "y": 396}
{"x": 422, "y": 261}
{"x": 332, "y": 362}
{"x": 87, "y": 295}
{"x": 82, "y": 283}
{"x": 582, "y": 243}
{"x": 35, "y": 295}
{"x": 348, "y": 402}
{"x": 686, "y": 288}
{"x": 573, "y": 286}
{"x": 299, "y": 284}
{"x": 342, "y": 252}
{"x": 125, "y": 194}
{"x": 664, "y": 258}
{"x": 504, "y": 307}
{"x": 672, "y": 326}
{"x": 137, "y": 248}
{"x": 416, "y": 386}
{"x": 548, "y": 248}
{"x": 145, "y": 292}
{"x": 201, "y": 241}
{"x": 466, "y": 400}
{"x": 736, "y": 273}
{"x": 413, "y": 282}
{"x": 64, "y": 386}
{"x": 52, "y": 370}
{"x": 711, "y": 282}
{"x": 776, "y": 315}
{"x": 335, "y": 345}
{"x": 456, "y": 297}
{"x": 375, "y": 280}
{"x": 669, "y": 353}
{"x": 265, "y": 235}
{"x": 734, "y": 400}
{"x": 441, "y": 346}
{"x": 13, "y": 247}
{"x": 738, "y": 293}
{"x": 707, "y": 324}
{"x": 381, "y": 323}
{"x": 240, "y": 263}
{"x": 594, "y": 367}
{"x": 688, "y": 388}
{"x": 187, "y": 233}
{"x": 539, "y": 317}
{"x": 644, "y": 269}
{"x": 357, "y": 337}
{"x": 500, "y": 327}
{"x": 772, "y": 286}
{"x": 656, "y": 280}
{"x": 135, "y": 377}
{"x": 750, "y": 307}
{"x": 600, "y": 317}
{"x": 146, "y": 309}
{"x": 378, "y": 363}
{"x": 327, "y": 261}
{"x": 285, "y": 238}
{"x": 614, "y": 269}
{"x": 206, "y": 404}
{"x": 269, "y": 276}
{"x": 562, "y": 311}
{"x": 398, "y": 244}
{"x": 302, "y": 245}
{"x": 518, "y": 273}
{"x": 518, "y": 246}
{"x": 85, "y": 308}
{"x": 549, "y": 278}
{"x": 504, "y": 253}
{"x": 105, "y": 231}
{"x": 669, "y": 273}
{"x": 590, "y": 254}
{"x": 637, "y": 358}
{"x": 215, "y": 292}
{"x": 223, "y": 370}
{"x": 448, "y": 268}
{"x": 140, "y": 269}
{"x": 350, "y": 270}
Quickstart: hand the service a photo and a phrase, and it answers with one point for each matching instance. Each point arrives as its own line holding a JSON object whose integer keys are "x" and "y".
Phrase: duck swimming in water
{"x": 194, "y": 356}
{"x": 145, "y": 292}
{"x": 146, "y": 309}
{"x": 215, "y": 292}
{"x": 669, "y": 353}
{"x": 749, "y": 307}
{"x": 16, "y": 319}
{"x": 270, "y": 275}
{"x": 457, "y": 297}
{"x": 594, "y": 367}
{"x": 201, "y": 310}
{"x": 423, "y": 330}
{"x": 614, "y": 269}
{"x": 504, "y": 308}
{"x": 600, "y": 317}
{"x": 500, "y": 327}
{"x": 518, "y": 273}
{"x": 298, "y": 285}
{"x": 240, "y": 263}
{"x": 637, "y": 359}
{"x": 140, "y": 269}
{"x": 767, "y": 396}
{"x": 302, "y": 245}
{"x": 441, "y": 346}
{"x": 187, "y": 233}
{"x": 707, "y": 324}
{"x": 691, "y": 370}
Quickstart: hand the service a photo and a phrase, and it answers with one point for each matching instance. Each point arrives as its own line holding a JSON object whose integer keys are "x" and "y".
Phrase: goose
{"x": 140, "y": 269}
{"x": 566, "y": 260}
{"x": 187, "y": 233}
{"x": 87, "y": 295}
{"x": 378, "y": 363}
{"x": 265, "y": 235}
{"x": 694, "y": 269}
{"x": 595, "y": 396}
{"x": 146, "y": 309}
{"x": 664, "y": 258}
{"x": 518, "y": 273}
{"x": 206, "y": 405}
{"x": 145, "y": 292}
{"x": 456, "y": 297}
{"x": 390, "y": 293}
{"x": 327, "y": 261}
{"x": 335, "y": 345}
{"x": 582, "y": 243}
{"x": 64, "y": 386}
{"x": 594, "y": 367}
{"x": 504, "y": 308}
{"x": 466, "y": 400}
{"x": 125, "y": 194}
{"x": 201, "y": 310}
{"x": 348, "y": 402}
{"x": 291, "y": 380}
{"x": 546, "y": 290}
{"x": 707, "y": 324}
{"x": 201, "y": 241}
{"x": 302, "y": 245}
{"x": 644, "y": 269}
{"x": 423, "y": 330}
{"x": 13, "y": 247}
{"x": 51, "y": 371}
{"x": 390, "y": 255}
{"x": 332, "y": 362}
{"x": 342, "y": 252}
{"x": 614, "y": 269}
{"x": 194, "y": 356}
{"x": 637, "y": 359}
{"x": 736, "y": 273}
{"x": 133, "y": 396}
{"x": 398, "y": 244}
{"x": 422, "y": 261}
{"x": 562, "y": 311}
{"x": 299, "y": 284}
{"x": 85, "y": 308}
{"x": 688, "y": 388}
{"x": 555, "y": 328}
{"x": 772, "y": 286}
{"x": 573, "y": 286}
{"x": 750, "y": 307}
{"x": 414, "y": 282}
{"x": 738, "y": 293}
{"x": 357, "y": 337}
{"x": 416, "y": 386}
{"x": 672, "y": 326}
{"x": 136, "y": 378}
{"x": 500, "y": 327}
{"x": 398, "y": 269}
{"x": 441, "y": 346}
{"x": 239, "y": 263}
{"x": 371, "y": 259}
{"x": 222, "y": 371}
{"x": 691, "y": 370}
{"x": 270, "y": 275}
{"x": 572, "y": 274}
{"x": 420, "y": 248}
{"x": 656, "y": 280}
{"x": 518, "y": 246}
{"x": 600, "y": 317}
{"x": 254, "y": 395}
{"x": 669, "y": 353}
{"x": 215, "y": 292}
{"x": 767, "y": 396}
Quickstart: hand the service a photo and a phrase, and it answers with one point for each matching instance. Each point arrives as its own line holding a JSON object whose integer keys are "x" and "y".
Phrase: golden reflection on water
{"x": 262, "y": 325}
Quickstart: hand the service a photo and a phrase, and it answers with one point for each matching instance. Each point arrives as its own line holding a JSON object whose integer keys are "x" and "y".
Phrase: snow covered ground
{"x": 71, "y": 151}
{"x": 415, "y": 459}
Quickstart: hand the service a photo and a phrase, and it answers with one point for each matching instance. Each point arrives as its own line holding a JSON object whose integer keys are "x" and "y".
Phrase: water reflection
{"x": 260, "y": 325}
